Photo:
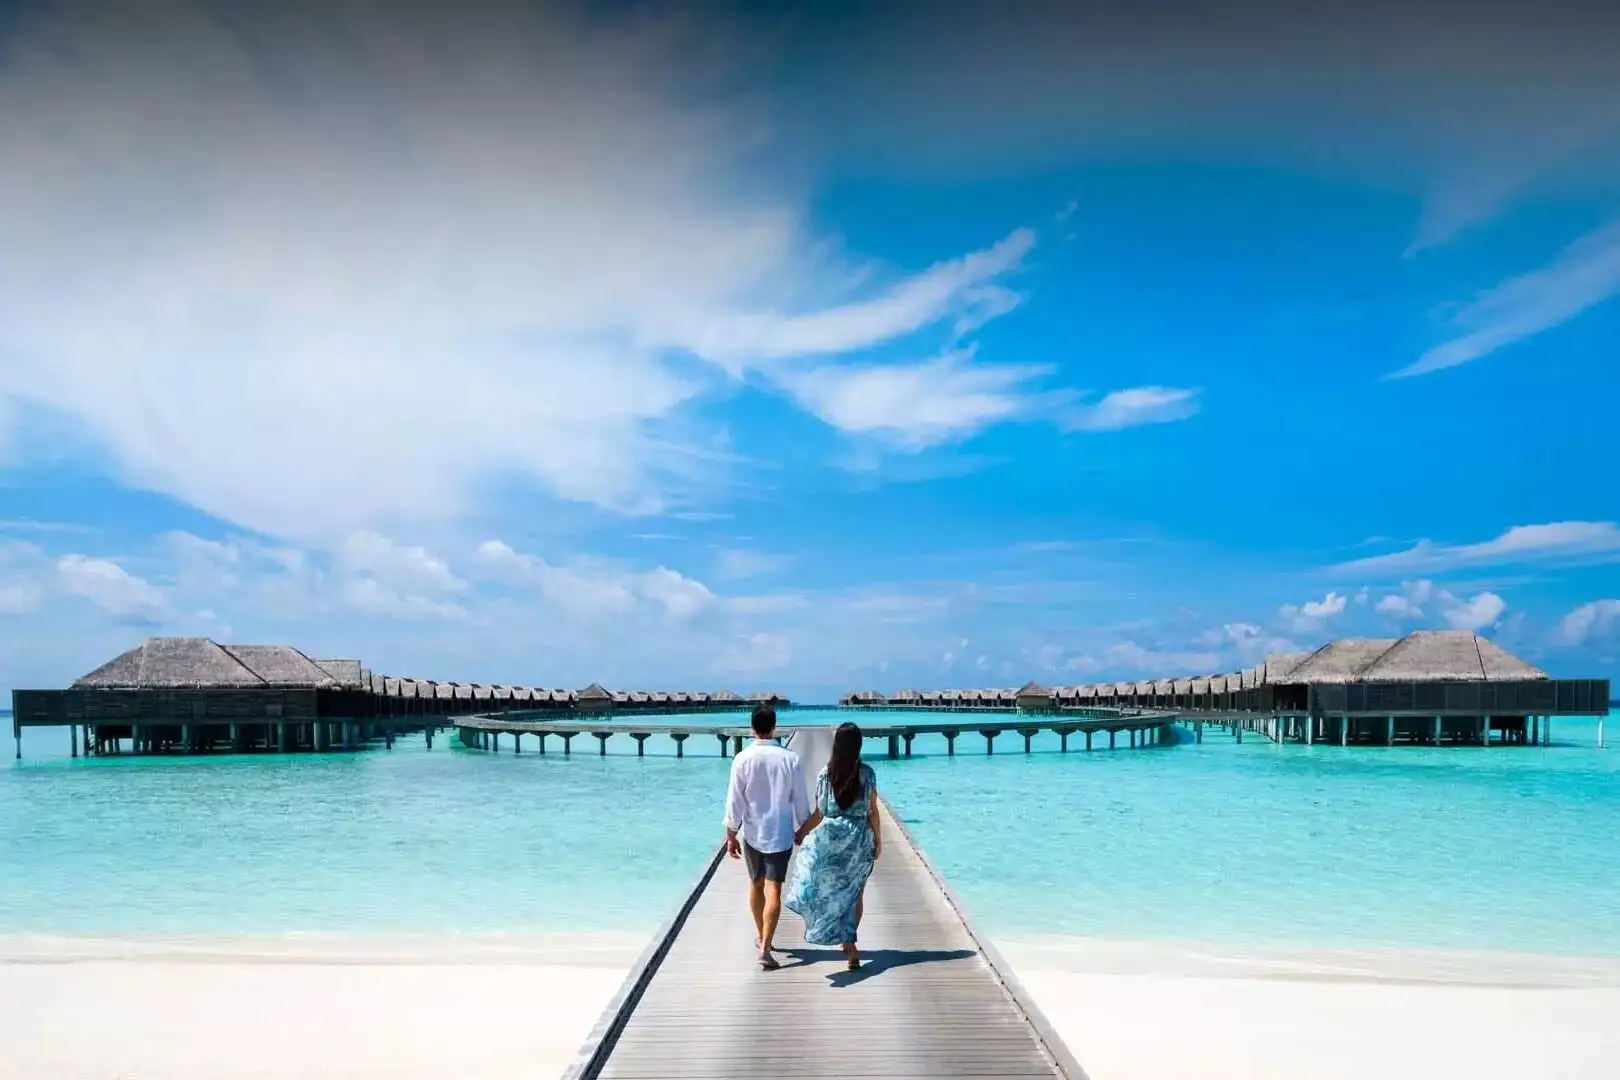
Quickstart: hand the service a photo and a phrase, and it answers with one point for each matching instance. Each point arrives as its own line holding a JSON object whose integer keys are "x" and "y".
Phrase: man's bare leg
{"x": 770, "y": 915}
{"x": 756, "y": 907}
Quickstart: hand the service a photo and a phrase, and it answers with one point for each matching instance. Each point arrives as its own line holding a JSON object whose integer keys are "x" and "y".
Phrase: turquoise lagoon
{"x": 1503, "y": 848}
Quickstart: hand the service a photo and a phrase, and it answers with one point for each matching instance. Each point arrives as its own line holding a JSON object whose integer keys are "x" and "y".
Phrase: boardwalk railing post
{"x": 680, "y": 738}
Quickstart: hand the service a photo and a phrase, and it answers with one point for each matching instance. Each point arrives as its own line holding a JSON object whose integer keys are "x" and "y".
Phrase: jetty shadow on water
{"x": 873, "y": 961}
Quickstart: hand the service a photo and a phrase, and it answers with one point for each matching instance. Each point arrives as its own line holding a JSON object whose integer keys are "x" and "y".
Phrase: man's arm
{"x": 801, "y": 799}
{"x": 735, "y": 811}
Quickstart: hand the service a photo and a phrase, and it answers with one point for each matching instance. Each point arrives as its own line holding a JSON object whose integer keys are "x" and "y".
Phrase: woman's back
{"x": 860, "y": 807}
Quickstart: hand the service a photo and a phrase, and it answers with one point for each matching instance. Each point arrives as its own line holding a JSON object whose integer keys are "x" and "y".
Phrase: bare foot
{"x": 767, "y": 962}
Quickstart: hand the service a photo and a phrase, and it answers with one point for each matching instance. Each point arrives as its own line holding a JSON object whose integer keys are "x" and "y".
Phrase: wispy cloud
{"x": 1133, "y": 408}
{"x": 742, "y": 341}
{"x": 1520, "y": 544}
{"x": 920, "y": 405}
{"x": 540, "y": 244}
{"x": 739, "y": 563}
{"x": 1585, "y": 273}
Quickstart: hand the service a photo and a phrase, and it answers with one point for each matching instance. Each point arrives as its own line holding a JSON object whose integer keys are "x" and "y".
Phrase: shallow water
{"x": 1501, "y": 848}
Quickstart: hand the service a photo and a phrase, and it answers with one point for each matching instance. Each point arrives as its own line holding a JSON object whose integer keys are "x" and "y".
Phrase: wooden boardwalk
{"x": 932, "y": 999}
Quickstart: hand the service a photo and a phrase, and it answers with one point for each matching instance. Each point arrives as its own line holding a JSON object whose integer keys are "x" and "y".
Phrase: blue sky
{"x": 804, "y": 351}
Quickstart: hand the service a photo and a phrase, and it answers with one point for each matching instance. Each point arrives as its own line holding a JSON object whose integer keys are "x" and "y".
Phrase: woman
{"x": 839, "y": 842}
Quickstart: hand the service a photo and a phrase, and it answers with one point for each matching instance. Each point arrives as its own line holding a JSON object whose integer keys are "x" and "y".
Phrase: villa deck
{"x": 932, "y": 999}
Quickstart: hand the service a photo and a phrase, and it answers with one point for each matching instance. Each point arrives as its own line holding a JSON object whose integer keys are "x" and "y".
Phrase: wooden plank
{"x": 927, "y": 1002}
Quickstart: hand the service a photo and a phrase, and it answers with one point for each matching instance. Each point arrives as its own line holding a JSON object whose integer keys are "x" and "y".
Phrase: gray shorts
{"x": 766, "y": 865}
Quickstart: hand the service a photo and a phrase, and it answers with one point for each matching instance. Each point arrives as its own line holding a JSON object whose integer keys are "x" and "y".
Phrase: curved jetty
{"x": 933, "y": 998}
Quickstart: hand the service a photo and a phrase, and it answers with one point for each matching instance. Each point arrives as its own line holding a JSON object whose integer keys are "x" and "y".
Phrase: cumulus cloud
{"x": 1594, "y": 620}
{"x": 1565, "y": 540}
{"x": 110, "y": 587}
{"x": 405, "y": 568}
{"x": 1310, "y": 616}
{"x": 1414, "y": 598}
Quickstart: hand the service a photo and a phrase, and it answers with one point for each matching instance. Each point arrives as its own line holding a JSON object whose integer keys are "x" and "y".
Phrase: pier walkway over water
{"x": 932, "y": 999}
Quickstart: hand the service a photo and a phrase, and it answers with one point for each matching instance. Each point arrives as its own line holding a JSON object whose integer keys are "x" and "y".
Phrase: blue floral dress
{"x": 833, "y": 864}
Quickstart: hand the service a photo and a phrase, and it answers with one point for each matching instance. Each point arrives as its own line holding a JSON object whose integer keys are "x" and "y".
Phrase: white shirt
{"x": 766, "y": 801}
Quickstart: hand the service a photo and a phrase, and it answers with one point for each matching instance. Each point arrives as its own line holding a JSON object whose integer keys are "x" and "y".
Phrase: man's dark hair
{"x": 764, "y": 720}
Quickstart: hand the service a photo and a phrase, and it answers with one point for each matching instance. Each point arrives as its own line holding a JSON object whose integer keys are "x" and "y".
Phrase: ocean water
{"x": 1502, "y": 848}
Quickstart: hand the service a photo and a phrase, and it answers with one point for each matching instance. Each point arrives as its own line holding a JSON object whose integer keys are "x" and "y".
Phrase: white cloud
{"x": 598, "y": 590}
{"x": 742, "y": 341}
{"x": 374, "y": 598}
{"x": 433, "y": 247}
{"x": 1409, "y": 603}
{"x": 681, "y": 596}
{"x": 738, "y": 563}
{"x": 1135, "y": 407}
{"x": 1519, "y": 544}
{"x": 1483, "y": 610}
{"x": 1594, "y": 620}
{"x": 402, "y": 567}
{"x": 1309, "y": 617}
{"x": 110, "y": 587}
{"x": 1585, "y": 273}
{"x": 756, "y": 654}
{"x": 20, "y": 598}
{"x": 1129, "y": 658}
{"x": 916, "y": 406}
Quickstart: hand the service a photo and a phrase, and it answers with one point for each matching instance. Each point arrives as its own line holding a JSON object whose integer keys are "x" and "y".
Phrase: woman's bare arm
{"x": 877, "y": 831}
{"x": 809, "y": 823}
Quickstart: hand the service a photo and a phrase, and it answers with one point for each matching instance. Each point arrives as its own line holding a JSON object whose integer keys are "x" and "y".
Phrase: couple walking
{"x": 768, "y": 813}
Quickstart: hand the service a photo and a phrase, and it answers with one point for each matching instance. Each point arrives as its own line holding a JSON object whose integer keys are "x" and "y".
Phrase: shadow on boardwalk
{"x": 873, "y": 961}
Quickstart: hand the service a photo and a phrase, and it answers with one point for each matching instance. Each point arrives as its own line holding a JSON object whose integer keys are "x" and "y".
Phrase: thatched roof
{"x": 391, "y": 687}
{"x": 594, "y": 693}
{"x": 1199, "y": 686}
{"x": 724, "y": 695}
{"x": 932, "y": 697}
{"x": 344, "y": 672}
{"x": 172, "y": 662}
{"x": 280, "y": 665}
{"x": 1447, "y": 655}
{"x": 481, "y": 692}
{"x": 658, "y": 697}
{"x": 1341, "y": 661}
{"x": 443, "y": 691}
{"x": 1278, "y": 666}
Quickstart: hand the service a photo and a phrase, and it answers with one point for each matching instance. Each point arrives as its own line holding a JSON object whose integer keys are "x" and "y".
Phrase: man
{"x": 766, "y": 802}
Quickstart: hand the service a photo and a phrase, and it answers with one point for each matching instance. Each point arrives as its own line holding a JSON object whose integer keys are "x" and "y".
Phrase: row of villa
{"x": 189, "y": 693}
{"x": 1425, "y": 673}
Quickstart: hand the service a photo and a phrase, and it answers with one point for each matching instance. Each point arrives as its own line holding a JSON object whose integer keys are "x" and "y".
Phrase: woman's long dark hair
{"x": 844, "y": 767}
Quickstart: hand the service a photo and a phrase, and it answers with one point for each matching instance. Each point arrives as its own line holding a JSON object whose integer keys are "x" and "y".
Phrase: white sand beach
{"x": 1148, "y": 1011}
{"x": 309, "y": 1008}
{"x": 315, "y": 1007}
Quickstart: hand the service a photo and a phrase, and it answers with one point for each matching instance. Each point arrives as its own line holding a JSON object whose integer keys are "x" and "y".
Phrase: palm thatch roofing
{"x": 1447, "y": 656}
{"x": 1278, "y": 666}
{"x": 391, "y": 687}
{"x": 345, "y": 672}
{"x": 1341, "y": 661}
{"x": 196, "y": 662}
{"x": 501, "y": 693}
{"x": 724, "y": 696}
{"x": 658, "y": 697}
{"x": 592, "y": 693}
{"x": 1143, "y": 688}
{"x": 932, "y": 697}
{"x": 522, "y": 693}
{"x": 1199, "y": 686}
{"x": 443, "y": 691}
{"x": 1181, "y": 686}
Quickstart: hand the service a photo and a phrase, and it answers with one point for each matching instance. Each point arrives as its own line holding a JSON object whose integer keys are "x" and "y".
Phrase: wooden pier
{"x": 1139, "y": 728}
{"x": 932, "y": 998}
